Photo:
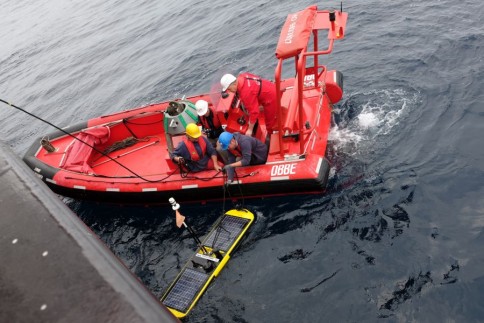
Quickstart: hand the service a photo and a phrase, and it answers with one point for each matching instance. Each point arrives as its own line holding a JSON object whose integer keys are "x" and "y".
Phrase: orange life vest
{"x": 236, "y": 152}
{"x": 191, "y": 148}
{"x": 210, "y": 122}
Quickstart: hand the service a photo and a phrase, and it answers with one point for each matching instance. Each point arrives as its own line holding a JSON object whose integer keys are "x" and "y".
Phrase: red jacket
{"x": 255, "y": 92}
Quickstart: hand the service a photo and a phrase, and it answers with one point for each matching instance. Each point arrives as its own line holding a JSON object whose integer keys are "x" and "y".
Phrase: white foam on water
{"x": 368, "y": 120}
{"x": 380, "y": 111}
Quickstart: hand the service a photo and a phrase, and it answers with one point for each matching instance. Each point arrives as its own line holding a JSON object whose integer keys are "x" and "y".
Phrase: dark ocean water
{"x": 399, "y": 235}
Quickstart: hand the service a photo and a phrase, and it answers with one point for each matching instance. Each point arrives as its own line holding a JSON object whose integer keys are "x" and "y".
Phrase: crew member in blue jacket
{"x": 195, "y": 151}
{"x": 242, "y": 151}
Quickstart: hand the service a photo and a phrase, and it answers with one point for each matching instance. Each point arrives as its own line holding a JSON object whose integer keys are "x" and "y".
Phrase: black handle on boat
{"x": 71, "y": 135}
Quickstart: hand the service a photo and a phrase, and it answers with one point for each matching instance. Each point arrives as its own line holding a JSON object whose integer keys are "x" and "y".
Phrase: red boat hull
{"x": 126, "y": 158}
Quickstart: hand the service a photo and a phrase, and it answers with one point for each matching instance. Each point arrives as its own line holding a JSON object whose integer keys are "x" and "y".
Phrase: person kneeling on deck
{"x": 195, "y": 151}
{"x": 211, "y": 126}
{"x": 242, "y": 150}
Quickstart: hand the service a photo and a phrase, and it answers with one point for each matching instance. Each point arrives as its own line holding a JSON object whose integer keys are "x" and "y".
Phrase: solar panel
{"x": 186, "y": 288}
{"x": 226, "y": 233}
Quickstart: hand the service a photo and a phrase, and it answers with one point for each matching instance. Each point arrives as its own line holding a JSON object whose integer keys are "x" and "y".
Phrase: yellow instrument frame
{"x": 240, "y": 213}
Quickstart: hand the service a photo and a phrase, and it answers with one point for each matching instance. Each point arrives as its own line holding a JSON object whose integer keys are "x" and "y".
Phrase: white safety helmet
{"x": 202, "y": 107}
{"x": 226, "y": 80}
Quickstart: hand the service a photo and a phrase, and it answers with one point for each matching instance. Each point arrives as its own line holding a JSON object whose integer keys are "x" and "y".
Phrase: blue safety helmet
{"x": 225, "y": 139}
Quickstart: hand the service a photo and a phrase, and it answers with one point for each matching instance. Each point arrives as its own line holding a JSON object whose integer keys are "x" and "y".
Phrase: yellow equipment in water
{"x": 210, "y": 258}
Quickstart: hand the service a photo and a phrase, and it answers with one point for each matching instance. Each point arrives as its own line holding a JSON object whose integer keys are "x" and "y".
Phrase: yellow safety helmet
{"x": 192, "y": 130}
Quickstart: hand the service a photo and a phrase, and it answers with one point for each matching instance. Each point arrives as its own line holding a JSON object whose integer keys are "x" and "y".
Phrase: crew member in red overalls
{"x": 254, "y": 92}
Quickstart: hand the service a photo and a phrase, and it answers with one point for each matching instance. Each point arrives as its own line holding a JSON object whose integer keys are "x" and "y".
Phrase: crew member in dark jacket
{"x": 195, "y": 151}
{"x": 242, "y": 151}
{"x": 211, "y": 124}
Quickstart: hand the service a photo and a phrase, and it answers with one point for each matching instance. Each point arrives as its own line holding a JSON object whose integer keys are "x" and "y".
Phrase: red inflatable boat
{"x": 124, "y": 157}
